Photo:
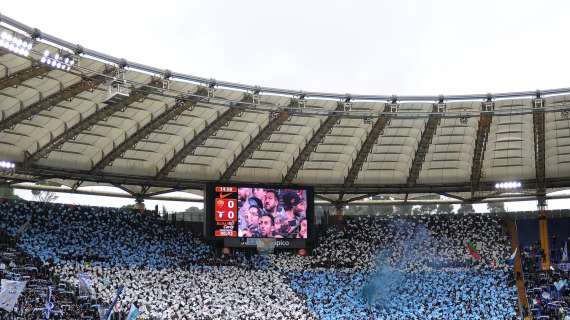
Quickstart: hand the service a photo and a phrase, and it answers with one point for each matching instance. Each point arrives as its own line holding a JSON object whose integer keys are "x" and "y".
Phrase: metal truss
{"x": 423, "y": 147}
{"x": 71, "y": 133}
{"x": 312, "y": 145}
{"x": 366, "y": 148}
{"x": 51, "y": 101}
{"x": 36, "y": 173}
{"x": 201, "y": 137}
{"x": 480, "y": 146}
{"x": 538, "y": 120}
{"x": 179, "y": 107}
{"x": 274, "y": 123}
{"x": 15, "y": 79}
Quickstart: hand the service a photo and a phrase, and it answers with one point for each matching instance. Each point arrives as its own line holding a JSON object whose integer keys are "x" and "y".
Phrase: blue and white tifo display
{"x": 241, "y": 212}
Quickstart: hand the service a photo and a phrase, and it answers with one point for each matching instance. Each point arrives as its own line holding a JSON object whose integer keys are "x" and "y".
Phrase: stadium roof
{"x": 150, "y": 131}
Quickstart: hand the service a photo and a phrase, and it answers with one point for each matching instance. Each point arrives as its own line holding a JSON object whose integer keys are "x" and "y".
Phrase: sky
{"x": 358, "y": 47}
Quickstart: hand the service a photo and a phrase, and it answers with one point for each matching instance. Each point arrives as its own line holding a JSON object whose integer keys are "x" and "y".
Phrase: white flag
{"x": 560, "y": 284}
{"x": 10, "y": 293}
{"x": 85, "y": 284}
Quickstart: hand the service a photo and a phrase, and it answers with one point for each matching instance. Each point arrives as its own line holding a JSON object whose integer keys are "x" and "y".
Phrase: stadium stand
{"x": 72, "y": 117}
{"x": 547, "y": 290}
{"x": 417, "y": 268}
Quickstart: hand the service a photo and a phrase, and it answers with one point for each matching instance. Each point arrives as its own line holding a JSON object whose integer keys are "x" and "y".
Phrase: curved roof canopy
{"x": 79, "y": 116}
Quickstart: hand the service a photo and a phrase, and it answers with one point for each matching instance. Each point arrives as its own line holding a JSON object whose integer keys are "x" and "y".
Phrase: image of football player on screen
{"x": 243, "y": 206}
{"x": 266, "y": 226}
{"x": 251, "y": 217}
{"x": 292, "y": 215}
{"x": 302, "y": 229}
{"x": 271, "y": 203}
{"x": 259, "y": 193}
{"x": 286, "y": 207}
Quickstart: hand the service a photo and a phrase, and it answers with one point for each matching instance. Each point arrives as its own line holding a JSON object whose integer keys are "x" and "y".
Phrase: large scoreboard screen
{"x": 238, "y": 214}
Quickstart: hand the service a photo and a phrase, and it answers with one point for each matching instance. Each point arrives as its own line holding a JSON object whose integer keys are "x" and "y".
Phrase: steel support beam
{"x": 321, "y": 197}
{"x": 76, "y": 185}
{"x": 442, "y": 201}
{"x": 36, "y": 173}
{"x": 119, "y": 186}
{"x": 360, "y": 197}
{"x": 544, "y": 237}
{"x": 200, "y": 138}
{"x": 152, "y": 194}
{"x": 517, "y": 270}
{"x": 423, "y": 147}
{"x": 51, "y": 101}
{"x": 485, "y": 120}
{"x": 104, "y": 193}
{"x": 277, "y": 120}
{"x": 539, "y": 148}
{"x": 366, "y": 148}
{"x": 71, "y": 133}
{"x": 164, "y": 118}
{"x": 14, "y": 79}
{"x": 449, "y": 195}
{"x": 312, "y": 145}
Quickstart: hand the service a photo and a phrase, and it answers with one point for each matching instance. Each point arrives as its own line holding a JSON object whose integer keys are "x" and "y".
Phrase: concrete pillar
{"x": 339, "y": 212}
{"x": 139, "y": 204}
{"x": 6, "y": 191}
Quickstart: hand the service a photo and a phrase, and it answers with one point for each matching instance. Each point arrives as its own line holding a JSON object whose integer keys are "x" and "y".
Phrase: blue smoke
{"x": 408, "y": 280}
{"x": 413, "y": 250}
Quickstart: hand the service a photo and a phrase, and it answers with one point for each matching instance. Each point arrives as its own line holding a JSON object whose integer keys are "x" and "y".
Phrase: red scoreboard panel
{"x": 226, "y": 211}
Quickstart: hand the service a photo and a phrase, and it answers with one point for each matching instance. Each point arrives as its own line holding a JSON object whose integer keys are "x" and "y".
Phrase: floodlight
{"x": 62, "y": 62}
{"x": 508, "y": 185}
{"x": 7, "y": 165}
{"x": 15, "y": 44}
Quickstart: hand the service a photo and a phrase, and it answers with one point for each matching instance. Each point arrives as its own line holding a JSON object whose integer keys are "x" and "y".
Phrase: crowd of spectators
{"x": 372, "y": 267}
{"x": 548, "y": 291}
{"x": 40, "y": 279}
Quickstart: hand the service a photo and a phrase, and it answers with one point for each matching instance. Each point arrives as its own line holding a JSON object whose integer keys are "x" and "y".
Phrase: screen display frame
{"x": 210, "y": 224}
